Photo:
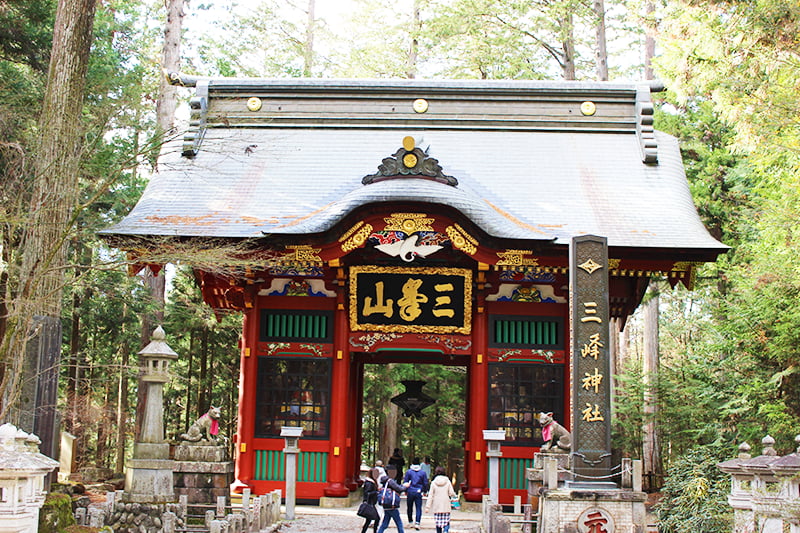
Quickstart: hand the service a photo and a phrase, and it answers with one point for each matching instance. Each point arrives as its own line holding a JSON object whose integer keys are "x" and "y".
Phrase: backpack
{"x": 388, "y": 497}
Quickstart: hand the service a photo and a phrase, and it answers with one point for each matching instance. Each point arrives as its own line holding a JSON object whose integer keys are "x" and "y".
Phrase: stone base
{"x": 149, "y": 481}
{"x": 471, "y": 507}
{"x": 143, "y": 518}
{"x": 619, "y": 510}
{"x": 198, "y": 452}
{"x": 328, "y": 502}
{"x": 203, "y": 482}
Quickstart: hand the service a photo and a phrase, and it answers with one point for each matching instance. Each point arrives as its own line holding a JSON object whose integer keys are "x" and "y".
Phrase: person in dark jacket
{"x": 398, "y": 461}
{"x": 392, "y": 511}
{"x": 417, "y": 485}
{"x": 371, "y": 498}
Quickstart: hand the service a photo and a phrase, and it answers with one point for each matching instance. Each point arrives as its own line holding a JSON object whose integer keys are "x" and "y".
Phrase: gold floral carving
{"x": 516, "y": 258}
{"x": 409, "y": 222}
{"x": 613, "y": 264}
{"x": 302, "y": 253}
{"x": 358, "y": 238}
{"x": 461, "y": 240}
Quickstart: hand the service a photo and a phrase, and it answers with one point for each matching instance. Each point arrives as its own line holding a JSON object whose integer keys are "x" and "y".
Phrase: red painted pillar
{"x": 248, "y": 370}
{"x": 354, "y": 409}
{"x": 340, "y": 402}
{"x": 478, "y": 375}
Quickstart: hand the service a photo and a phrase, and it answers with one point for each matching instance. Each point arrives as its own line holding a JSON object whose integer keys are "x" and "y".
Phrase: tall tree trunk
{"x": 649, "y": 39}
{"x": 170, "y": 62}
{"x": 189, "y": 378}
{"x": 308, "y": 49}
{"x": 411, "y": 70}
{"x": 568, "y": 47}
{"x": 122, "y": 398}
{"x": 203, "y": 393}
{"x": 55, "y": 187}
{"x": 389, "y": 433}
{"x": 613, "y": 354}
{"x": 600, "y": 52}
{"x": 651, "y": 451}
{"x": 155, "y": 284}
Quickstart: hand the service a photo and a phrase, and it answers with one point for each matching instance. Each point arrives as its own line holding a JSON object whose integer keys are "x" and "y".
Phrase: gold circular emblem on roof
{"x": 409, "y": 160}
{"x": 420, "y": 105}
{"x": 408, "y": 143}
{"x": 588, "y": 108}
{"x": 254, "y": 103}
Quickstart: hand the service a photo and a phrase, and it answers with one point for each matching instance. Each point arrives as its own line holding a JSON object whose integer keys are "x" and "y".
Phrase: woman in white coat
{"x": 439, "y": 497}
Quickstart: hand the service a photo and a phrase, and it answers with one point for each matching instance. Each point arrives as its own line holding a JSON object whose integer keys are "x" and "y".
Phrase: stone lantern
{"x": 22, "y": 473}
{"x": 149, "y": 473}
{"x": 493, "y": 438}
{"x": 291, "y": 435}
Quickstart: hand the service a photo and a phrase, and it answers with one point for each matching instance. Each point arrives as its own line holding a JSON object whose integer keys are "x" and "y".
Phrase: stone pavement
{"x": 312, "y": 519}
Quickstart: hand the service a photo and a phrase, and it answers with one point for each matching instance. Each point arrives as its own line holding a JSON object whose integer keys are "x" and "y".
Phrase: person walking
{"x": 399, "y": 462}
{"x": 417, "y": 482}
{"x": 381, "y": 471}
{"x": 439, "y": 498}
{"x": 367, "y": 508}
{"x": 426, "y": 466}
{"x": 389, "y": 498}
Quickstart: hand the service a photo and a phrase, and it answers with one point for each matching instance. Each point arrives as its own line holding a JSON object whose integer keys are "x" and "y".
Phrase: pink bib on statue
{"x": 547, "y": 432}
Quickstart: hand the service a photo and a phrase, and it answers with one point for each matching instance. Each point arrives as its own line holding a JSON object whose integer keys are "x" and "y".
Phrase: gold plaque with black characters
{"x": 411, "y": 300}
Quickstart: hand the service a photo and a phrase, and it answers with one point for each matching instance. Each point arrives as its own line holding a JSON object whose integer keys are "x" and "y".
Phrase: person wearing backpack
{"x": 389, "y": 498}
{"x": 417, "y": 481}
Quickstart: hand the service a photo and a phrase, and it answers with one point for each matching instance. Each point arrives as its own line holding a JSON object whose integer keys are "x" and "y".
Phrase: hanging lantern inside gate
{"x": 413, "y": 400}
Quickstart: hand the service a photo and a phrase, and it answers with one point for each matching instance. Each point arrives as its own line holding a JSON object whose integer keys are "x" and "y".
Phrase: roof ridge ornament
{"x": 644, "y": 125}
{"x": 410, "y": 161}
{"x": 198, "y": 111}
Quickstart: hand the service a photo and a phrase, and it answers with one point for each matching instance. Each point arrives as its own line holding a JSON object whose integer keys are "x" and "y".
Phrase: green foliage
{"x": 695, "y": 493}
{"x": 26, "y": 32}
{"x": 56, "y": 513}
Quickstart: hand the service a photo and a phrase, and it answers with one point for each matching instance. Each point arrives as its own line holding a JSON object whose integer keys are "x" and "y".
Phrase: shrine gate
{"x": 356, "y": 222}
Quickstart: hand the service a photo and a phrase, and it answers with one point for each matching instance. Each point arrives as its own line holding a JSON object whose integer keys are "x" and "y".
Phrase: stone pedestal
{"x": 585, "y": 510}
{"x": 202, "y": 473}
{"x": 148, "y": 481}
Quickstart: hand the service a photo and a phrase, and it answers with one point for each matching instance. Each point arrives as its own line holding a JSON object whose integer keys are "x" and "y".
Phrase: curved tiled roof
{"x": 526, "y": 182}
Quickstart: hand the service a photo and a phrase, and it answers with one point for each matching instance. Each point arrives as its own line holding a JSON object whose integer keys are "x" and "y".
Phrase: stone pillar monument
{"x": 591, "y": 392}
{"x": 592, "y": 501}
{"x": 149, "y": 474}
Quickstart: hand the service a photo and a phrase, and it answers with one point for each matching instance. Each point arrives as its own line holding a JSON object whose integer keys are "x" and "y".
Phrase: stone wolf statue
{"x": 556, "y": 437}
{"x": 204, "y": 428}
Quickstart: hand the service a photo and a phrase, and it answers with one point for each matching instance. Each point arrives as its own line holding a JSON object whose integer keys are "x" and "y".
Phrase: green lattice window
{"x": 518, "y": 331}
{"x": 283, "y": 325}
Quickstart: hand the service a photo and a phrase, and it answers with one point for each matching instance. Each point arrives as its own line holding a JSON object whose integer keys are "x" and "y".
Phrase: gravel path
{"x": 318, "y": 520}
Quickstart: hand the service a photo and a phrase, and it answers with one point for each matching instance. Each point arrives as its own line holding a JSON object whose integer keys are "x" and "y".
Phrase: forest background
{"x": 728, "y": 364}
